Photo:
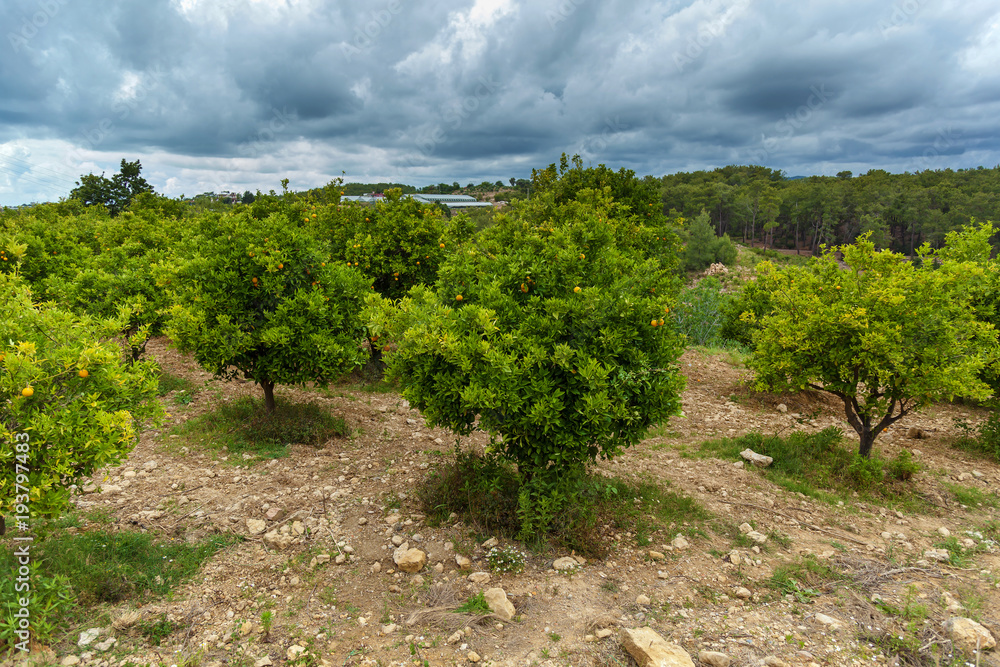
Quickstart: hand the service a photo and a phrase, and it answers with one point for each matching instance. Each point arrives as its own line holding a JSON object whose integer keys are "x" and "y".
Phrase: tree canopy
{"x": 879, "y": 333}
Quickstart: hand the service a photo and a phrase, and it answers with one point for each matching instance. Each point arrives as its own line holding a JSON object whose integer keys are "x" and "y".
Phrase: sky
{"x": 214, "y": 95}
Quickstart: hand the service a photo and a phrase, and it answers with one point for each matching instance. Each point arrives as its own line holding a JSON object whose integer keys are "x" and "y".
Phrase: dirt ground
{"x": 347, "y": 500}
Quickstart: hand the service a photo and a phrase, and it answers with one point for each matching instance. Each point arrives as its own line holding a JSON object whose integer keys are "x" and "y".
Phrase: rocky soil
{"x": 326, "y": 526}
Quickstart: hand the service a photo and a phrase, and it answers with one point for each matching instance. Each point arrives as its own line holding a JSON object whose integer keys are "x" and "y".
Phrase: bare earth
{"x": 342, "y": 496}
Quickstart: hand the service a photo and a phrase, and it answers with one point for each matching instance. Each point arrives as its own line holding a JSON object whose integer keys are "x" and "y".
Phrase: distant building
{"x": 454, "y": 202}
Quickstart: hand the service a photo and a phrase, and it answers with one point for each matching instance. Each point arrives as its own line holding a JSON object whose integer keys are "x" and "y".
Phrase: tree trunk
{"x": 867, "y": 440}
{"x": 269, "y": 404}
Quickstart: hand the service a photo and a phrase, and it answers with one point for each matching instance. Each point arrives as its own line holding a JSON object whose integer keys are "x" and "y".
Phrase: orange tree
{"x": 68, "y": 404}
{"x": 883, "y": 336}
{"x": 551, "y": 333}
{"x": 397, "y": 243}
{"x": 261, "y": 300}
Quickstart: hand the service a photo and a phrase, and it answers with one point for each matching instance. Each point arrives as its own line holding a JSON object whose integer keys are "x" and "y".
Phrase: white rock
{"x": 497, "y": 600}
{"x": 828, "y": 621}
{"x": 106, "y": 644}
{"x": 782, "y": 408}
{"x": 743, "y": 593}
{"x": 263, "y": 662}
{"x": 473, "y": 657}
{"x": 463, "y": 562}
{"x": 256, "y": 526}
{"x": 713, "y": 658}
{"x": 88, "y": 636}
{"x": 679, "y": 543}
{"x": 565, "y": 563}
{"x": 940, "y": 555}
{"x": 758, "y": 460}
{"x": 294, "y": 651}
{"x": 604, "y": 633}
{"x": 642, "y": 600}
{"x": 479, "y": 577}
{"x": 944, "y": 532}
{"x": 490, "y": 543}
{"x": 759, "y": 538}
{"x": 69, "y": 661}
{"x": 388, "y": 629}
{"x": 650, "y": 649}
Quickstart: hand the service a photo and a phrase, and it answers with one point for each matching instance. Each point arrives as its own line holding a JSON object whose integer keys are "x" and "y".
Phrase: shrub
{"x": 69, "y": 406}
{"x": 550, "y": 335}
{"x": 743, "y": 313}
{"x": 701, "y": 311}
{"x": 260, "y": 300}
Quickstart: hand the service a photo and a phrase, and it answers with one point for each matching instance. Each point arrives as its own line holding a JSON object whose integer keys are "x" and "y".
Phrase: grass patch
{"x": 114, "y": 567}
{"x": 488, "y": 494}
{"x": 971, "y": 496}
{"x": 155, "y": 631}
{"x": 72, "y": 574}
{"x": 167, "y": 382}
{"x": 804, "y": 579}
{"x": 819, "y": 466}
{"x": 474, "y": 605}
{"x": 244, "y": 426}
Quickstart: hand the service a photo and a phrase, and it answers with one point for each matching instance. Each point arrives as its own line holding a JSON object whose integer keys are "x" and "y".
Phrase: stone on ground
{"x": 969, "y": 635}
{"x": 650, "y": 649}
{"x": 497, "y": 600}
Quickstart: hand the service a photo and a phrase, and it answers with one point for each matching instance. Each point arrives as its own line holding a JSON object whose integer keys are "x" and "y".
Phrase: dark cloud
{"x": 239, "y": 93}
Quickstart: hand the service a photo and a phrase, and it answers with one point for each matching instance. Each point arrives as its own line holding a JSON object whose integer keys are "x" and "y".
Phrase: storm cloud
{"x": 238, "y": 94}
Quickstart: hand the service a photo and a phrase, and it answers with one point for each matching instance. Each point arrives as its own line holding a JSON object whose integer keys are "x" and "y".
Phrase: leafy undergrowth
{"x": 818, "y": 465}
{"x": 488, "y": 494}
{"x": 983, "y": 439}
{"x": 243, "y": 427}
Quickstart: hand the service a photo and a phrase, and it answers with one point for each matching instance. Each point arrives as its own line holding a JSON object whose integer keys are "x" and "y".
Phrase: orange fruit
{"x": 524, "y": 288}
{"x": 83, "y": 373}
{"x": 654, "y": 323}
{"x": 582, "y": 256}
{"x": 281, "y": 266}
{"x": 661, "y": 322}
{"x": 27, "y": 392}
{"x": 576, "y": 289}
{"x": 458, "y": 298}
{"x": 441, "y": 245}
